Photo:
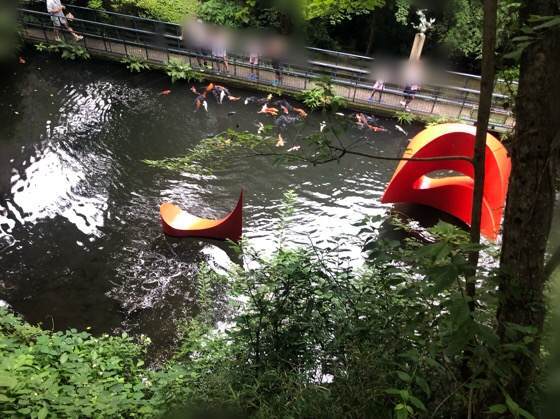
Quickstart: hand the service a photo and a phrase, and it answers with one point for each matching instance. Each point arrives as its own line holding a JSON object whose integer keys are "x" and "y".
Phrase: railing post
{"x": 434, "y": 102}
{"x": 355, "y": 90}
{"x": 463, "y": 104}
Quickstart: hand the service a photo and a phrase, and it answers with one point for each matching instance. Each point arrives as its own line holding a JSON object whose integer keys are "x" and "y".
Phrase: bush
{"x": 301, "y": 334}
{"x": 70, "y": 374}
{"x": 135, "y": 64}
{"x": 322, "y": 96}
{"x": 165, "y": 10}
{"x": 179, "y": 70}
{"x": 66, "y": 50}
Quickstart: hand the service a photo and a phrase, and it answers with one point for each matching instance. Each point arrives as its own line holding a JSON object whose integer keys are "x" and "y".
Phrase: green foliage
{"x": 336, "y": 11}
{"x": 322, "y": 96}
{"x": 226, "y": 12}
{"x": 179, "y": 70}
{"x": 135, "y": 64}
{"x": 67, "y": 51}
{"x": 165, "y": 10}
{"x": 531, "y": 33}
{"x": 462, "y": 30}
{"x": 437, "y": 120}
{"x": 217, "y": 152}
{"x": 302, "y": 335}
{"x": 402, "y": 11}
{"x": 309, "y": 337}
{"x": 95, "y": 4}
{"x": 404, "y": 117}
{"x": 70, "y": 374}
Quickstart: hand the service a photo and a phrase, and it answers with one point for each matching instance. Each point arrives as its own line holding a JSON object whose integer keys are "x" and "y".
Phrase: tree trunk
{"x": 528, "y": 216}
{"x": 479, "y": 158}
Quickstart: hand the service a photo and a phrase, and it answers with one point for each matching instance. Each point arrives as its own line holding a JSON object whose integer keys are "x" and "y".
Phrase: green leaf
{"x": 498, "y": 408}
{"x": 512, "y": 405}
{"x": 525, "y": 414}
{"x": 423, "y": 384}
{"x": 554, "y": 21}
{"x": 393, "y": 391}
{"x": 7, "y": 381}
{"x": 43, "y": 413}
{"x": 417, "y": 403}
{"x": 443, "y": 277}
{"x": 63, "y": 358}
{"x": 404, "y": 376}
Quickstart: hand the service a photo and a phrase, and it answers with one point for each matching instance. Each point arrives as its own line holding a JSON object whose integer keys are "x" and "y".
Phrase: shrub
{"x": 165, "y": 10}
{"x": 67, "y": 51}
{"x": 404, "y": 117}
{"x": 70, "y": 374}
{"x": 178, "y": 70}
{"x": 135, "y": 64}
{"x": 322, "y": 96}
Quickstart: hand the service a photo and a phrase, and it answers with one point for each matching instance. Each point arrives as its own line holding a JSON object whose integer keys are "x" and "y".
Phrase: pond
{"x": 80, "y": 238}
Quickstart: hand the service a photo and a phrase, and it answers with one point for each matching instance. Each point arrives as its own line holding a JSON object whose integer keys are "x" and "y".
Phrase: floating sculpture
{"x": 178, "y": 223}
{"x": 452, "y": 194}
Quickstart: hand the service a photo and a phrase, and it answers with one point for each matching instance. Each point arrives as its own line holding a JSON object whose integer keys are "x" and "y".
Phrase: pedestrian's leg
{"x": 72, "y": 32}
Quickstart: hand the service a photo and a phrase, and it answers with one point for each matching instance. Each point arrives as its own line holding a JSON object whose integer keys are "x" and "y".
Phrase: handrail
{"x": 142, "y": 38}
{"x": 345, "y": 54}
{"x": 178, "y": 30}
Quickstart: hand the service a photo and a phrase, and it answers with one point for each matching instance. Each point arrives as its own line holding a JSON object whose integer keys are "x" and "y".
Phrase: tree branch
{"x": 416, "y": 159}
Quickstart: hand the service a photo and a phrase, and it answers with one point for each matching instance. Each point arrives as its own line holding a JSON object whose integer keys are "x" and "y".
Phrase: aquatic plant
{"x": 322, "y": 96}
{"x": 405, "y": 117}
{"x": 437, "y": 120}
{"x": 179, "y": 70}
{"x": 135, "y": 64}
{"x": 67, "y": 51}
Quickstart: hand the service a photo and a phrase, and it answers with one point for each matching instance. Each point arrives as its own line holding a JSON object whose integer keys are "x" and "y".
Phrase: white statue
{"x": 425, "y": 24}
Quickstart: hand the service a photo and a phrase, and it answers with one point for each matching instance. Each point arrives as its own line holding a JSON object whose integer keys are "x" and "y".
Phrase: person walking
{"x": 379, "y": 86}
{"x": 56, "y": 10}
{"x": 254, "y": 55}
{"x": 409, "y": 93}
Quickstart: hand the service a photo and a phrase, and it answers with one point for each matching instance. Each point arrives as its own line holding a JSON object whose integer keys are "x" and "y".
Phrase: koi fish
{"x": 376, "y": 129}
{"x": 269, "y": 111}
{"x": 165, "y": 92}
{"x": 280, "y": 142}
{"x": 22, "y": 60}
{"x": 400, "y": 129}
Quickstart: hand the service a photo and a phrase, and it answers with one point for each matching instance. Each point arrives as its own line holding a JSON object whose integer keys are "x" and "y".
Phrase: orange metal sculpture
{"x": 452, "y": 194}
{"x": 178, "y": 223}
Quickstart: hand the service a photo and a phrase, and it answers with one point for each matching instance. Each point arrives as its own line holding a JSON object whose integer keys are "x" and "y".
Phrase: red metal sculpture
{"x": 178, "y": 223}
{"x": 452, "y": 194}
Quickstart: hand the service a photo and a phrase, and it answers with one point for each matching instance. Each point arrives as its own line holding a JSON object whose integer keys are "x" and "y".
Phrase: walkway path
{"x": 102, "y": 39}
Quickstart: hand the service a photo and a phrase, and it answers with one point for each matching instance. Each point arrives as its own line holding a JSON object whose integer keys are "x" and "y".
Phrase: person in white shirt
{"x": 56, "y": 10}
{"x": 379, "y": 86}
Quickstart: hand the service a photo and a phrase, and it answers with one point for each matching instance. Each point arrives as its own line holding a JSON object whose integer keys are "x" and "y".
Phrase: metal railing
{"x": 158, "y": 42}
